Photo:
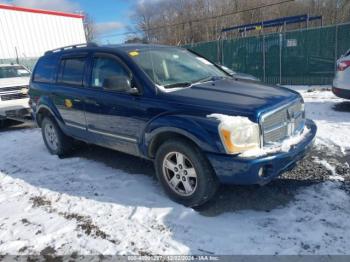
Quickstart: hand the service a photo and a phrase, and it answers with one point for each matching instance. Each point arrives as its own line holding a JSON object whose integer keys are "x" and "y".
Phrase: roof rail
{"x": 71, "y": 47}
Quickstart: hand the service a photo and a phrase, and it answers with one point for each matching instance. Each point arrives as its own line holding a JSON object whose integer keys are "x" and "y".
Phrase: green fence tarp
{"x": 301, "y": 57}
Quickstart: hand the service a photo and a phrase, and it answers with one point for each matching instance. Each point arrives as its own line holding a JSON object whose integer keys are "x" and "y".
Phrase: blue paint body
{"x": 130, "y": 123}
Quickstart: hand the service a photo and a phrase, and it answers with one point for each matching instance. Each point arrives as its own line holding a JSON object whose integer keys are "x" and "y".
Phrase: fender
{"x": 204, "y": 136}
{"x": 46, "y": 103}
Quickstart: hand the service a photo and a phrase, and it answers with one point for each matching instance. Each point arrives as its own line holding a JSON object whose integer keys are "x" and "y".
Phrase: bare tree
{"x": 188, "y": 21}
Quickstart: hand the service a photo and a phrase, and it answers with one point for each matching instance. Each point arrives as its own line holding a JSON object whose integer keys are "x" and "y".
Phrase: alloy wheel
{"x": 180, "y": 173}
{"x": 51, "y": 137}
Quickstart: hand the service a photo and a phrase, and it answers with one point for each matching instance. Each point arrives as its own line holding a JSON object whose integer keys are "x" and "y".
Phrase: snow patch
{"x": 331, "y": 168}
{"x": 330, "y": 113}
{"x": 229, "y": 122}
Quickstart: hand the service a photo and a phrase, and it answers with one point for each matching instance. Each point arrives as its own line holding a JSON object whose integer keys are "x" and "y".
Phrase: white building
{"x": 26, "y": 33}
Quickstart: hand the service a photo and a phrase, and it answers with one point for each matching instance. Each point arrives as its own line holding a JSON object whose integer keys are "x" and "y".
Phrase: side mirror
{"x": 133, "y": 91}
{"x": 117, "y": 83}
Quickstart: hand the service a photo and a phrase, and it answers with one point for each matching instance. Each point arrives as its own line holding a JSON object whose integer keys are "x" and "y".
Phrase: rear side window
{"x": 72, "y": 71}
{"x": 45, "y": 70}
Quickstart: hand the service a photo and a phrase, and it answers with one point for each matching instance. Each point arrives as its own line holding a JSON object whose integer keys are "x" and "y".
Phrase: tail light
{"x": 342, "y": 66}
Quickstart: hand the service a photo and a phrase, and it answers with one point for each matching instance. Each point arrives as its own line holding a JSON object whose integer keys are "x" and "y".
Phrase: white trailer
{"x": 25, "y": 35}
{"x": 28, "y": 33}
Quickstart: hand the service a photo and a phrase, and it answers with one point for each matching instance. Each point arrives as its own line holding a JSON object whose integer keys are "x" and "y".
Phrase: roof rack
{"x": 71, "y": 47}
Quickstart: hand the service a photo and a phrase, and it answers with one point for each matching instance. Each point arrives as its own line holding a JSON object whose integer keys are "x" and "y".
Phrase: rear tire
{"x": 184, "y": 173}
{"x": 55, "y": 140}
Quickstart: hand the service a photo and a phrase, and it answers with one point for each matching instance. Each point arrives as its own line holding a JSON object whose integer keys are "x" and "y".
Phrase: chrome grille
{"x": 13, "y": 96}
{"x": 12, "y": 88}
{"x": 282, "y": 123}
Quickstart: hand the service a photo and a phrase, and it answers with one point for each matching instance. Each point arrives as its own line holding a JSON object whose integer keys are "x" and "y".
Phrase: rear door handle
{"x": 77, "y": 100}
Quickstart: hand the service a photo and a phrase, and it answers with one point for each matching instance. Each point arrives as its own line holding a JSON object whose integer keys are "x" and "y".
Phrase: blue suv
{"x": 199, "y": 126}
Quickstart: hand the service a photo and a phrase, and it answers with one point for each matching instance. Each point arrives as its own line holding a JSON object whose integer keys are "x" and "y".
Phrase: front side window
{"x": 13, "y": 71}
{"x": 109, "y": 73}
{"x": 72, "y": 71}
{"x": 172, "y": 67}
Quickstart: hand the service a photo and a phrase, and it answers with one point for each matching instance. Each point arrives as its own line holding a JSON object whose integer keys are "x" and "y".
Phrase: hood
{"x": 14, "y": 81}
{"x": 245, "y": 77}
{"x": 234, "y": 97}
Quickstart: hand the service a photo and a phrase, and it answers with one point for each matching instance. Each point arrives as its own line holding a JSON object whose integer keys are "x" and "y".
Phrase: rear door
{"x": 68, "y": 96}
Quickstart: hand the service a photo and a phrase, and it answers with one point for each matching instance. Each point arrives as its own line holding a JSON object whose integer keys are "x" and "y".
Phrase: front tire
{"x": 56, "y": 142}
{"x": 184, "y": 173}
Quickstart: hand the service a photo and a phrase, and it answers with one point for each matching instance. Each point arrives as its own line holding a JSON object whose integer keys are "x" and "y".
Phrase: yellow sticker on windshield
{"x": 134, "y": 53}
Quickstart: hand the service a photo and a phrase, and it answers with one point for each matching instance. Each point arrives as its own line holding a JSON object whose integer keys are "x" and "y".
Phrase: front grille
{"x": 12, "y": 88}
{"x": 13, "y": 96}
{"x": 283, "y": 123}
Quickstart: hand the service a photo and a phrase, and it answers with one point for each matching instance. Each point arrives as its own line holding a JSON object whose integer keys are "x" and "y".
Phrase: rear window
{"x": 45, "y": 70}
{"x": 72, "y": 71}
{"x": 347, "y": 53}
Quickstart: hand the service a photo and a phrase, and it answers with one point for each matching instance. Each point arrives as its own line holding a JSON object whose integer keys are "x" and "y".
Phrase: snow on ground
{"x": 81, "y": 205}
{"x": 332, "y": 115}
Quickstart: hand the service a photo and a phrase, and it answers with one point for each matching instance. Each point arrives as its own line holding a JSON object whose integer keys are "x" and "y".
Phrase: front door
{"x": 113, "y": 115}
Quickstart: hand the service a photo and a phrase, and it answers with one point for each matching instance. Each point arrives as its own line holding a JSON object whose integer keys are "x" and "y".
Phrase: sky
{"x": 111, "y": 17}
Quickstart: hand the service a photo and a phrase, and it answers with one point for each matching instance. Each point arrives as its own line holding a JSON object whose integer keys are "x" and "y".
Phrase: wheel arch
{"x": 168, "y": 128}
{"x": 42, "y": 113}
{"x": 162, "y": 136}
{"x": 47, "y": 108}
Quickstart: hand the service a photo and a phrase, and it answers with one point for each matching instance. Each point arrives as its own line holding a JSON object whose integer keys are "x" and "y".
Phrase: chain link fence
{"x": 300, "y": 57}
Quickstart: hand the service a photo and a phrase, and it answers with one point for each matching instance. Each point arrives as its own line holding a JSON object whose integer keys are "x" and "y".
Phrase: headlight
{"x": 25, "y": 90}
{"x": 239, "y": 135}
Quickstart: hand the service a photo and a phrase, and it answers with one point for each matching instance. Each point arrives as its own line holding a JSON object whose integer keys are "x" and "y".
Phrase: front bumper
{"x": 15, "y": 109}
{"x": 245, "y": 171}
{"x": 342, "y": 93}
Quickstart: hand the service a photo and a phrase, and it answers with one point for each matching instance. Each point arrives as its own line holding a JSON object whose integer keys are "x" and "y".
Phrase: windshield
{"x": 13, "y": 71}
{"x": 174, "y": 67}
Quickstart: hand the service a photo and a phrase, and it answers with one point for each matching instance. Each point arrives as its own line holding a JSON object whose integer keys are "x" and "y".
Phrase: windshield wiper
{"x": 183, "y": 84}
{"x": 209, "y": 78}
{"x": 187, "y": 84}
